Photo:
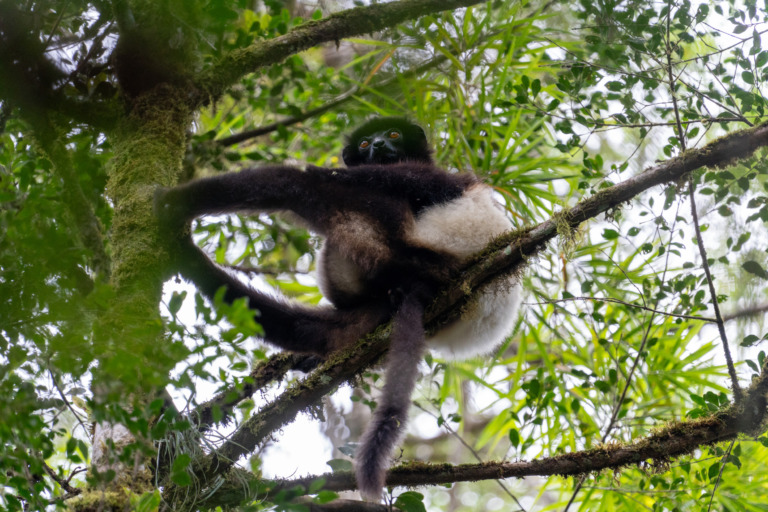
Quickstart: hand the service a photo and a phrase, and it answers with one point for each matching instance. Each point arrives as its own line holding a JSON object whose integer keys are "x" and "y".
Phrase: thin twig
{"x": 343, "y": 98}
{"x": 66, "y": 402}
{"x": 679, "y": 126}
{"x": 62, "y": 10}
{"x": 699, "y": 240}
{"x": 267, "y": 271}
{"x": 749, "y": 311}
{"x": 720, "y": 474}
{"x": 737, "y": 393}
{"x": 64, "y": 484}
{"x": 473, "y": 452}
{"x": 617, "y": 301}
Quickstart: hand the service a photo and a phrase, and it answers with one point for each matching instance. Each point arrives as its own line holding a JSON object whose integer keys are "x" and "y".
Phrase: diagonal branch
{"x": 218, "y": 408}
{"x": 359, "y": 20}
{"x": 509, "y": 254}
{"x": 516, "y": 247}
{"x": 737, "y": 392}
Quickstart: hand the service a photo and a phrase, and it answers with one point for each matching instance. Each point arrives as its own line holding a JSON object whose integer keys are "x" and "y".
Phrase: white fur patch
{"x": 484, "y": 325}
{"x": 463, "y": 227}
{"x": 364, "y": 245}
{"x": 337, "y": 272}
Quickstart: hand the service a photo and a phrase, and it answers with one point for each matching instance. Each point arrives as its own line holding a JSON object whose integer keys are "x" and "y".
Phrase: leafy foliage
{"x": 549, "y": 103}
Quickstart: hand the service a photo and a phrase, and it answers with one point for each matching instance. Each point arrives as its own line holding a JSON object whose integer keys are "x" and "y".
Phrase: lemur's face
{"x": 383, "y": 147}
{"x": 386, "y": 140}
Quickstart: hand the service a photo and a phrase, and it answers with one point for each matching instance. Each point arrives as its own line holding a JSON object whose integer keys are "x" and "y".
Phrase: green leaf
{"x": 181, "y": 478}
{"x": 725, "y": 211}
{"x": 147, "y": 502}
{"x": 410, "y": 501}
{"x": 714, "y": 470}
{"x": 340, "y": 465}
{"x": 535, "y": 87}
{"x": 739, "y": 28}
{"x": 603, "y": 386}
{"x": 177, "y": 299}
{"x": 181, "y": 462}
{"x": 325, "y": 497}
{"x": 712, "y": 398}
{"x": 755, "y": 268}
{"x": 514, "y": 437}
{"x": 749, "y": 340}
{"x": 533, "y": 388}
{"x": 761, "y": 59}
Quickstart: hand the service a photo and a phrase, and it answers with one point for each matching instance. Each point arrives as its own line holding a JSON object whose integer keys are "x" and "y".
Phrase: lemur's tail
{"x": 406, "y": 348}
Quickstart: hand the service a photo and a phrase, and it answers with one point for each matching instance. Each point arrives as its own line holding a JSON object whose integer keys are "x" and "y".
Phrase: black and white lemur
{"x": 395, "y": 228}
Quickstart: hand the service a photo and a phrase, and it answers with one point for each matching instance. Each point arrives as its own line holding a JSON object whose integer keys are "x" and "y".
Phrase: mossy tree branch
{"x": 673, "y": 440}
{"x": 214, "y": 81}
{"x": 515, "y": 248}
{"x": 271, "y": 370}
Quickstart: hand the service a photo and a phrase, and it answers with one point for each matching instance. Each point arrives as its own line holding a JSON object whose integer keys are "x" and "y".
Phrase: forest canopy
{"x": 625, "y": 141}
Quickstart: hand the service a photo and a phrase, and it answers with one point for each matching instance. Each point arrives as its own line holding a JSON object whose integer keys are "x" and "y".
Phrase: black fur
{"x": 411, "y": 145}
{"x": 391, "y": 415}
{"x": 363, "y": 213}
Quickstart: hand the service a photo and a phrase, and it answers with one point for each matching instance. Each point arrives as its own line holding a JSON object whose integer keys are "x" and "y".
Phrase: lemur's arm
{"x": 262, "y": 189}
{"x": 288, "y": 325}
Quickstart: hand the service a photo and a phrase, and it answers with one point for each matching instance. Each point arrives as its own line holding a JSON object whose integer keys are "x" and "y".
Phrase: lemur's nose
{"x": 378, "y": 143}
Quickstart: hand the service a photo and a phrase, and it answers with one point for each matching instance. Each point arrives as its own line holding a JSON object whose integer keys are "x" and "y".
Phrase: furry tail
{"x": 406, "y": 348}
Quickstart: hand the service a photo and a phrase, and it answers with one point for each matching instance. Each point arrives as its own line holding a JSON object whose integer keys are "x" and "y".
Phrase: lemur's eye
{"x": 394, "y": 134}
{"x": 364, "y": 144}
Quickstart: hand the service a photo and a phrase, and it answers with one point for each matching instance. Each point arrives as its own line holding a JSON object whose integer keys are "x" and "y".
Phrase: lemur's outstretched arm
{"x": 263, "y": 189}
{"x": 289, "y": 325}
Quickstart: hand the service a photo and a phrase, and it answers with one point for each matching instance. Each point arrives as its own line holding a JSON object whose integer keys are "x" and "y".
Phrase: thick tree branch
{"x": 674, "y": 440}
{"x": 299, "y": 396}
{"x": 350, "y": 506}
{"x": 222, "y": 404}
{"x": 360, "y": 20}
{"x": 509, "y": 255}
